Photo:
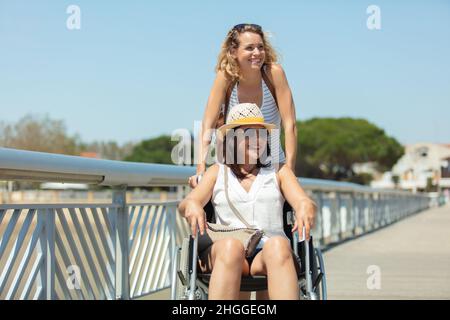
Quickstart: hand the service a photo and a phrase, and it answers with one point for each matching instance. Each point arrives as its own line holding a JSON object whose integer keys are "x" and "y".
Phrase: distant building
{"x": 63, "y": 186}
{"x": 422, "y": 163}
{"x": 386, "y": 181}
{"x": 445, "y": 174}
{"x": 88, "y": 154}
{"x": 366, "y": 167}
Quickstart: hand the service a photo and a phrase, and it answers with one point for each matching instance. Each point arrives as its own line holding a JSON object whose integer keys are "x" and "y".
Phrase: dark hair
{"x": 234, "y": 165}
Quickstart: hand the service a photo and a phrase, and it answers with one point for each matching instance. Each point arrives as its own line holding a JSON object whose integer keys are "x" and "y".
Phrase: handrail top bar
{"x": 40, "y": 166}
{"x": 49, "y": 167}
{"x": 342, "y": 186}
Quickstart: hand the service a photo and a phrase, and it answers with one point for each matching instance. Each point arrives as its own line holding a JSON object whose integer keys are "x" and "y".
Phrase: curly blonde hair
{"x": 228, "y": 64}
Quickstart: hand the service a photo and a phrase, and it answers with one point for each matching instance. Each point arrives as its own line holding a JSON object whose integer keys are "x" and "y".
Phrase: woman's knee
{"x": 277, "y": 250}
{"x": 230, "y": 251}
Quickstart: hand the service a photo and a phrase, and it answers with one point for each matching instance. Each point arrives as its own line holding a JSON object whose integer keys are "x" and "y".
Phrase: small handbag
{"x": 249, "y": 236}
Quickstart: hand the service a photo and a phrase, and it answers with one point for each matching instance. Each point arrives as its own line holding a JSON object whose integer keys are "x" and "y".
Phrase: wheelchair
{"x": 188, "y": 284}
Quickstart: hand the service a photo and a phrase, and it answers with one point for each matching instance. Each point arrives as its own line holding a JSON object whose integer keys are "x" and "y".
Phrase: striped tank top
{"x": 271, "y": 114}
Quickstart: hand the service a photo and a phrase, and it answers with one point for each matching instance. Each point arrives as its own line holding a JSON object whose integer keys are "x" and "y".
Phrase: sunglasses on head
{"x": 241, "y": 26}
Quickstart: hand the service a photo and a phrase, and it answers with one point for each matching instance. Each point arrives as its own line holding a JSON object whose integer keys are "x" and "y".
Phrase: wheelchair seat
{"x": 191, "y": 284}
{"x": 249, "y": 282}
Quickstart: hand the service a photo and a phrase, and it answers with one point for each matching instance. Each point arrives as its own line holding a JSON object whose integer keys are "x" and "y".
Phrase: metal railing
{"x": 123, "y": 250}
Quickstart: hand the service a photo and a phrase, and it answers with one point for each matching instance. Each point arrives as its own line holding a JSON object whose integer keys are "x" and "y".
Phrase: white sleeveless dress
{"x": 261, "y": 207}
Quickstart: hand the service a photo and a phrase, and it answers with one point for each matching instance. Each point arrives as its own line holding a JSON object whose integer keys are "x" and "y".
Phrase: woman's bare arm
{"x": 211, "y": 114}
{"x": 192, "y": 206}
{"x": 287, "y": 112}
{"x": 303, "y": 205}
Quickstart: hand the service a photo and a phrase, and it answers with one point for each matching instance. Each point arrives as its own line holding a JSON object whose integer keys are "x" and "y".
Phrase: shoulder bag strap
{"x": 223, "y": 113}
{"x": 227, "y": 97}
{"x": 269, "y": 84}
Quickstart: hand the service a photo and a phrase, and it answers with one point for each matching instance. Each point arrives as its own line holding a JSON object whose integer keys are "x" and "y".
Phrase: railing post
{"x": 319, "y": 219}
{"x": 122, "y": 276}
{"x": 376, "y": 210}
{"x": 47, "y": 245}
{"x": 340, "y": 233}
{"x": 352, "y": 214}
{"x": 172, "y": 212}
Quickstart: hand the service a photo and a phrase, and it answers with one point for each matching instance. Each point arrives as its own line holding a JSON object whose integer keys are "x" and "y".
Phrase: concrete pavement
{"x": 407, "y": 260}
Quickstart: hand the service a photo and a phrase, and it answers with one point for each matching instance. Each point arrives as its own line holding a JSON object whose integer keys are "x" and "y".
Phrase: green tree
{"x": 328, "y": 148}
{"x": 155, "y": 150}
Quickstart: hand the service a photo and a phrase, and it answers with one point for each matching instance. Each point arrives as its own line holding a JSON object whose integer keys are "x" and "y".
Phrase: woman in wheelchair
{"x": 258, "y": 191}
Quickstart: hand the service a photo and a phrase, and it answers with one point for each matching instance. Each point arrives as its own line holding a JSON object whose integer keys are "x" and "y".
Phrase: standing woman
{"x": 247, "y": 71}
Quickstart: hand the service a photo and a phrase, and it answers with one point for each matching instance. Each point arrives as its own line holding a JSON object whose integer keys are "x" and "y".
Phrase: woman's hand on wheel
{"x": 195, "y": 215}
{"x": 305, "y": 217}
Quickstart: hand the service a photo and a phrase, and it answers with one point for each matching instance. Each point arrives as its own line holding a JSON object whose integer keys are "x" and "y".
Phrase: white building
{"x": 420, "y": 163}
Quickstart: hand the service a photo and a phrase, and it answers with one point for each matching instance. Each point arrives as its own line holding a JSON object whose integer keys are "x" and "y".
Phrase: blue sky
{"x": 138, "y": 69}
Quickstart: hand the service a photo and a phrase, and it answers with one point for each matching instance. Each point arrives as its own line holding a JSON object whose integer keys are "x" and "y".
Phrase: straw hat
{"x": 244, "y": 114}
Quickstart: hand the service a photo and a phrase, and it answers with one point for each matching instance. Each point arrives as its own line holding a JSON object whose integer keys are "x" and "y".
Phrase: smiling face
{"x": 251, "y": 143}
{"x": 250, "y": 54}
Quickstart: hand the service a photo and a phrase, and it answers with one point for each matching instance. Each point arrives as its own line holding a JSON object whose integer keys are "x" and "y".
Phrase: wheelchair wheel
{"x": 321, "y": 286}
{"x": 183, "y": 268}
{"x": 201, "y": 294}
{"x": 317, "y": 292}
{"x": 316, "y": 272}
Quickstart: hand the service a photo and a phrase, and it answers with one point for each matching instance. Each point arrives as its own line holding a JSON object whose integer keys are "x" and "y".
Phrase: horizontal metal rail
{"x": 24, "y": 165}
{"x": 45, "y": 167}
{"x": 123, "y": 250}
